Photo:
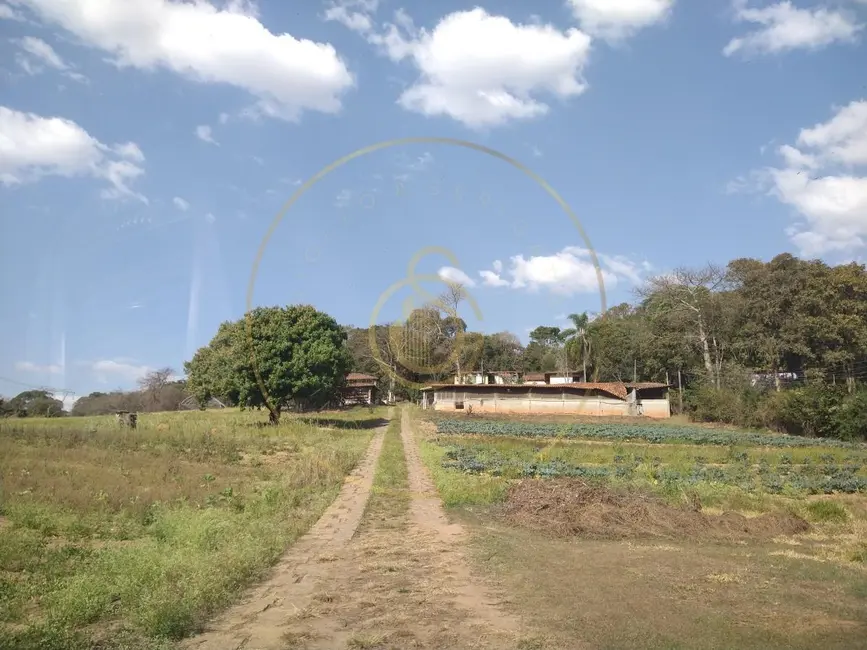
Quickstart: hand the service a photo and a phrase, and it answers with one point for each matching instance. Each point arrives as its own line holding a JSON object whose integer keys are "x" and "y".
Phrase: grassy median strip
{"x": 389, "y": 499}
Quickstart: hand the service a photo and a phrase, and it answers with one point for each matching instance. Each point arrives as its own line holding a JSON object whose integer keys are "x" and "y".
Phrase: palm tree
{"x": 578, "y": 332}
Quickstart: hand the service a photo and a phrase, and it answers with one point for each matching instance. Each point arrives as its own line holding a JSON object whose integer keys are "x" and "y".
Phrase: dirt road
{"x": 401, "y": 582}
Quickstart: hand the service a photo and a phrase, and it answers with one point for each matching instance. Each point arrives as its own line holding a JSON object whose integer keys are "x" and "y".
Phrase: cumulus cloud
{"x": 566, "y": 272}
{"x": 456, "y": 276}
{"x": 782, "y": 27}
{"x": 208, "y": 44}
{"x": 33, "y": 146}
{"x": 614, "y": 20}
{"x": 479, "y": 69}
{"x": 824, "y": 178}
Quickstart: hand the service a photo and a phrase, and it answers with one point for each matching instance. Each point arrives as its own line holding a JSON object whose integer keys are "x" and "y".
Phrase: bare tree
{"x": 153, "y": 383}
{"x": 689, "y": 294}
{"x": 452, "y": 327}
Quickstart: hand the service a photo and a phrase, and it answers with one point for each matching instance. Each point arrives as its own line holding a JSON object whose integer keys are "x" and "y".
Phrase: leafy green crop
{"x": 624, "y": 432}
{"x": 809, "y": 478}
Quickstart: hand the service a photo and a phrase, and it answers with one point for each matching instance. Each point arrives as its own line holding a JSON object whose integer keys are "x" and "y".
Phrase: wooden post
{"x": 680, "y": 390}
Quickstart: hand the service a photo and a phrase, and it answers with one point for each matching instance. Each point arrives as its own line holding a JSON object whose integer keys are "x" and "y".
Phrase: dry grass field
{"x": 376, "y": 530}
{"x": 136, "y": 537}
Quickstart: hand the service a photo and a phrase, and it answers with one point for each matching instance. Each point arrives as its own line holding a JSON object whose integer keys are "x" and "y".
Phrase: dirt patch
{"x": 570, "y": 507}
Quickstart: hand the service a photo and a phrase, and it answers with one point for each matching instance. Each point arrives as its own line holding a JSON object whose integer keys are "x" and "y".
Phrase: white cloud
{"x": 566, "y": 272}
{"x": 181, "y": 204}
{"x": 476, "y": 68}
{"x": 353, "y": 14}
{"x": 42, "y": 51}
{"x": 32, "y": 146}
{"x": 205, "y": 134}
{"x": 493, "y": 279}
{"x": 451, "y": 274}
{"x": 8, "y": 13}
{"x": 207, "y": 44}
{"x": 29, "y": 366}
{"x": 784, "y": 27}
{"x": 107, "y": 370}
{"x": 842, "y": 139}
{"x": 35, "y": 55}
{"x": 824, "y": 180}
{"x": 614, "y": 20}
{"x": 130, "y": 151}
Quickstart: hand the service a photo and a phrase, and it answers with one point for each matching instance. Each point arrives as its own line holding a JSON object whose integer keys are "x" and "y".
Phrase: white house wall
{"x": 543, "y": 402}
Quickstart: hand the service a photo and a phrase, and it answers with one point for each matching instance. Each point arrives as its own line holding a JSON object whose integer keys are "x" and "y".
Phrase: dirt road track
{"x": 402, "y": 582}
{"x": 258, "y": 622}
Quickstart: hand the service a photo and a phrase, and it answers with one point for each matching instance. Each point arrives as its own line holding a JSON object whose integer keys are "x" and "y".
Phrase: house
{"x": 360, "y": 389}
{"x": 572, "y": 398}
{"x": 490, "y": 377}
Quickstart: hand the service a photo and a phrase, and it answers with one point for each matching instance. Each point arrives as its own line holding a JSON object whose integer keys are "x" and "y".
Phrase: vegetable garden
{"x": 817, "y": 476}
{"x": 653, "y": 454}
{"x": 651, "y": 433}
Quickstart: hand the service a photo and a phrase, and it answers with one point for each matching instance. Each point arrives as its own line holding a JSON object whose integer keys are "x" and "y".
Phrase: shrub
{"x": 850, "y": 418}
{"x": 810, "y": 410}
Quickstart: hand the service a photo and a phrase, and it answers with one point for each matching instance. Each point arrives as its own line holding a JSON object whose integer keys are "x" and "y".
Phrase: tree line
{"x": 157, "y": 390}
{"x": 731, "y": 338}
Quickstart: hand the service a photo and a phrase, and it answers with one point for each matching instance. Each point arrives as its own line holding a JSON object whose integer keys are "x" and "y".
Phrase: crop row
{"x": 812, "y": 479}
{"x": 654, "y": 434}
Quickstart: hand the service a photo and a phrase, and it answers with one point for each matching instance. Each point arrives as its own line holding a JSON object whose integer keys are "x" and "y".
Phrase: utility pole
{"x": 635, "y": 370}
{"x": 680, "y": 390}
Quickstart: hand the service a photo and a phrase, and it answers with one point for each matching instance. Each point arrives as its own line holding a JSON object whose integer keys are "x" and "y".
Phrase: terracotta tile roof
{"x": 645, "y": 384}
{"x": 615, "y": 389}
{"x": 611, "y": 387}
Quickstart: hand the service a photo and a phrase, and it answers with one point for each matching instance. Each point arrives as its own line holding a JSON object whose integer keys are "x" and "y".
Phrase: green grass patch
{"x": 390, "y": 493}
{"x": 147, "y": 533}
{"x": 460, "y": 488}
{"x": 826, "y": 511}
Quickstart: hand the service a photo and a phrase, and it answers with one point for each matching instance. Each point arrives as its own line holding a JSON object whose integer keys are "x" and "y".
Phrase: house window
{"x": 459, "y": 405}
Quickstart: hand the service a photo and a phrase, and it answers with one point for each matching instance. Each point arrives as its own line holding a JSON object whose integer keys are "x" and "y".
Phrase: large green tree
{"x": 278, "y": 358}
{"x": 36, "y": 403}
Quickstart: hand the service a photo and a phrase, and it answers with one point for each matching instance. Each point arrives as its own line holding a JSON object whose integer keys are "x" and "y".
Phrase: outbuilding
{"x": 575, "y": 398}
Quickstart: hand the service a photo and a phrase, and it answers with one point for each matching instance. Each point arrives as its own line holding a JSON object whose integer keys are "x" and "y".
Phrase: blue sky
{"x": 146, "y": 146}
